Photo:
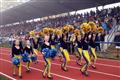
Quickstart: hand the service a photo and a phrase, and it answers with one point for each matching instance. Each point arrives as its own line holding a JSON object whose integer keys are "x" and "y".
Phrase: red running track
{"x": 106, "y": 69}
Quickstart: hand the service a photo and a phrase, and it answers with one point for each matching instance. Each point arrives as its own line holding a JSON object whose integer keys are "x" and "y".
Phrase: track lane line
{"x": 7, "y": 76}
{"x": 70, "y": 55}
{"x": 108, "y": 74}
{"x": 84, "y": 61}
{"x": 41, "y": 70}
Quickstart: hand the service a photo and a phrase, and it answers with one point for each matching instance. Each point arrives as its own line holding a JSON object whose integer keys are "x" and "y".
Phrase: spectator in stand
{"x": 117, "y": 39}
{"x": 102, "y": 39}
{"x": 98, "y": 48}
{"x": 105, "y": 18}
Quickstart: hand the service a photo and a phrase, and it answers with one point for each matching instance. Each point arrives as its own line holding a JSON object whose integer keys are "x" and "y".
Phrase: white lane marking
{"x": 41, "y": 70}
{"x": 84, "y": 61}
{"x": 7, "y": 76}
{"x": 72, "y": 56}
{"x": 88, "y": 70}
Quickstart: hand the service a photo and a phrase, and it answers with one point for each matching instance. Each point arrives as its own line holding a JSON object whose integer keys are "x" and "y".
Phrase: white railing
{"x": 111, "y": 35}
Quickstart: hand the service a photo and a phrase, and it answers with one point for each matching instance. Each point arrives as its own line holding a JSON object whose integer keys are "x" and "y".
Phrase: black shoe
{"x": 62, "y": 66}
{"x": 85, "y": 73}
{"x": 14, "y": 74}
{"x": 17, "y": 66}
{"x": 82, "y": 71}
{"x": 50, "y": 77}
{"x": 64, "y": 69}
{"x": 20, "y": 77}
{"x": 79, "y": 64}
{"x": 44, "y": 76}
{"x": 28, "y": 70}
{"x": 93, "y": 66}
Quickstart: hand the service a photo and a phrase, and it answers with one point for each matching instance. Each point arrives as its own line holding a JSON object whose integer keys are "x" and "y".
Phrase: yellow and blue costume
{"x": 52, "y": 41}
{"x": 64, "y": 51}
{"x": 28, "y": 50}
{"x": 16, "y": 53}
{"x": 45, "y": 51}
{"x": 86, "y": 55}
{"x": 35, "y": 47}
{"x": 79, "y": 51}
{"x": 92, "y": 45}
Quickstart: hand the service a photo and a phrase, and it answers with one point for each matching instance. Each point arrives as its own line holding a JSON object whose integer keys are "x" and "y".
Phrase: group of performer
{"x": 55, "y": 43}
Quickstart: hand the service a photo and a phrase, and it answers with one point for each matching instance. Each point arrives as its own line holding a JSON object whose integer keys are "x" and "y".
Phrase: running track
{"x": 106, "y": 69}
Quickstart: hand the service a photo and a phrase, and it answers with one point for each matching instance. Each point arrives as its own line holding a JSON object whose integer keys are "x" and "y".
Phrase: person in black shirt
{"x": 85, "y": 55}
{"x": 28, "y": 49}
{"x": 16, "y": 52}
{"x": 47, "y": 59}
{"x": 97, "y": 39}
{"x": 102, "y": 39}
{"x": 92, "y": 45}
{"x": 52, "y": 40}
{"x": 35, "y": 47}
{"x": 35, "y": 43}
{"x": 64, "y": 52}
{"x": 59, "y": 41}
{"x": 79, "y": 49}
{"x": 20, "y": 44}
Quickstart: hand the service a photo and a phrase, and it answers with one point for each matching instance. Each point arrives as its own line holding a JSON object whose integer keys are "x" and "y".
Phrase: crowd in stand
{"x": 106, "y": 18}
{"x": 16, "y": 29}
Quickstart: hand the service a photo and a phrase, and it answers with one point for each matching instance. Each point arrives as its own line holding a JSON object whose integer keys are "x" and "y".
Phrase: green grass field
{"x": 3, "y": 78}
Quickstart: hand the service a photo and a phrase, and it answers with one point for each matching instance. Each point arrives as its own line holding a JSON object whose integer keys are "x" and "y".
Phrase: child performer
{"x": 79, "y": 49}
{"x": 16, "y": 53}
{"x": 78, "y": 45}
{"x": 93, "y": 55}
{"x": 64, "y": 52}
{"x": 92, "y": 44}
{"x": 47, "y": 59}
{"x": 35, "y": 47}
{"x": 85, "y": 43}
{"x": 28, "y": 49}
{"x": 52, "y": 40}
{"x": 85, "y": 55}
